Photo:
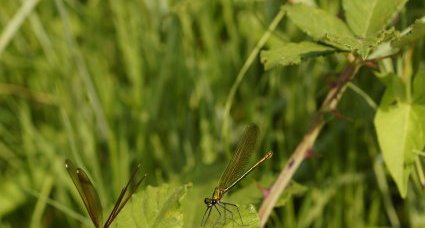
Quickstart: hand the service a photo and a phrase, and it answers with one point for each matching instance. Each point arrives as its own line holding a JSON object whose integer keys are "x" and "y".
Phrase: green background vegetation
{"x": 110, "y": 84}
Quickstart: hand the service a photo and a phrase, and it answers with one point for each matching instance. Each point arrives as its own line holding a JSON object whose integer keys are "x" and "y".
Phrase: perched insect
{"x": 91, "y": 199}
{"x": 235, "y": 171}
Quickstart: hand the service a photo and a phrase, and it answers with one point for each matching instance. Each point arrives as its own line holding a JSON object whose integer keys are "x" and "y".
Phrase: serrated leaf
{"x": 292, "y": 53}
{"x": 416, "y": 32}
{"x": 410, "y": 35}
{"x": 370, "y": 43}
{"x": 366, "y": 17}
{"x": 248, "y": 214}
{"x": 331, "y": 30}
{"x": 400, "y": 128}
{"x": 319, "y": 24}
{"x": 154, "y": 207}
{"x": 362, "y": 46}
{"x": 342, "y": 42}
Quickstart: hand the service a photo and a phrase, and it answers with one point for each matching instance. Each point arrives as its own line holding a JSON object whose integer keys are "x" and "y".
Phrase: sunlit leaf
{"x": 367, "y": 17}
{"x": 292, "y": 53}
{"x": 248, "y": 214}
{"x": 154, "y": 207}
{"x": 316, "y": 22}
{"x": 321, "y": 25}
{"x": 329, "y": 29}
{"x": 362, "y": 46}
{"x": 400, "y": 129}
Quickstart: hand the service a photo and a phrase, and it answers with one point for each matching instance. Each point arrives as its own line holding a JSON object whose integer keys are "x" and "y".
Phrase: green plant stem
{"x": 304, "y": 147}
{"x": 37, "y": 216}
{"x": 363, "y": 94}
{"x": 383, "y": 187}
{"x": 420, "y": 171}
{"x": 244, "y": 69}
{"x": 407, "y": 73}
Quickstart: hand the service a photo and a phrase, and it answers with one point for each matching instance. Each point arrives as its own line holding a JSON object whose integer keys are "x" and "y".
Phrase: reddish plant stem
{"x": 301, "y": 152}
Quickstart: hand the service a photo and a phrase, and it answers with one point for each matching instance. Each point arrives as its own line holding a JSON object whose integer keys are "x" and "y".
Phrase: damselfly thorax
{"x": 215, "y": 198}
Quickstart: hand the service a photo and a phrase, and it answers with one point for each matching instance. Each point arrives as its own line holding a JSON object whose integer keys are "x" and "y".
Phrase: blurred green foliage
{"x": 110, "y": 84}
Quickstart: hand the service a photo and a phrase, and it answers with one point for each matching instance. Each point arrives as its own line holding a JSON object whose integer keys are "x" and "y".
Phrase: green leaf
{"x": 292, "y": 53}
{"x": 345, "y": 43}
{"x": 242, "y": 196}
{"x": 154, "y": 207}
{"x": 409, "y": 36}
{"x": 400, "y": 127}
{"x": 320, "y": 25}
{"x": 383, "y": 49}
{"x": 367, "y": 17}
{"x": 398, "y": 137}
{"x": 331, "y": 30}
{"x": 361, "y": 46}
{"x": 395, "y": 92}
{"x": 248, "y": 214}
{"x": 416, "y": 32}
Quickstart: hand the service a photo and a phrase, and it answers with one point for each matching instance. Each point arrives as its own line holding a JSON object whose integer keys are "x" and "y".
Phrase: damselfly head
{"x": 210, "y": 202}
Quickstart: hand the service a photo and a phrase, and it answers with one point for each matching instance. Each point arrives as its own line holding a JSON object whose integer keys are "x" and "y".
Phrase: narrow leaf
{"x": 292, "y": 53}
{"x": 366, "y": 17}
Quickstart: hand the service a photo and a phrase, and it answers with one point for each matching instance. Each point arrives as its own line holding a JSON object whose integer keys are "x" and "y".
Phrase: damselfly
{"x": 236, "y": 170}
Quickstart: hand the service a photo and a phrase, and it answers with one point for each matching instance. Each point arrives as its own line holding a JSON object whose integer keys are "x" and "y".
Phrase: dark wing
{"x": 237, "y": 166}
{"x": 125, "y": 195}
{"x": 87, "y": 192}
